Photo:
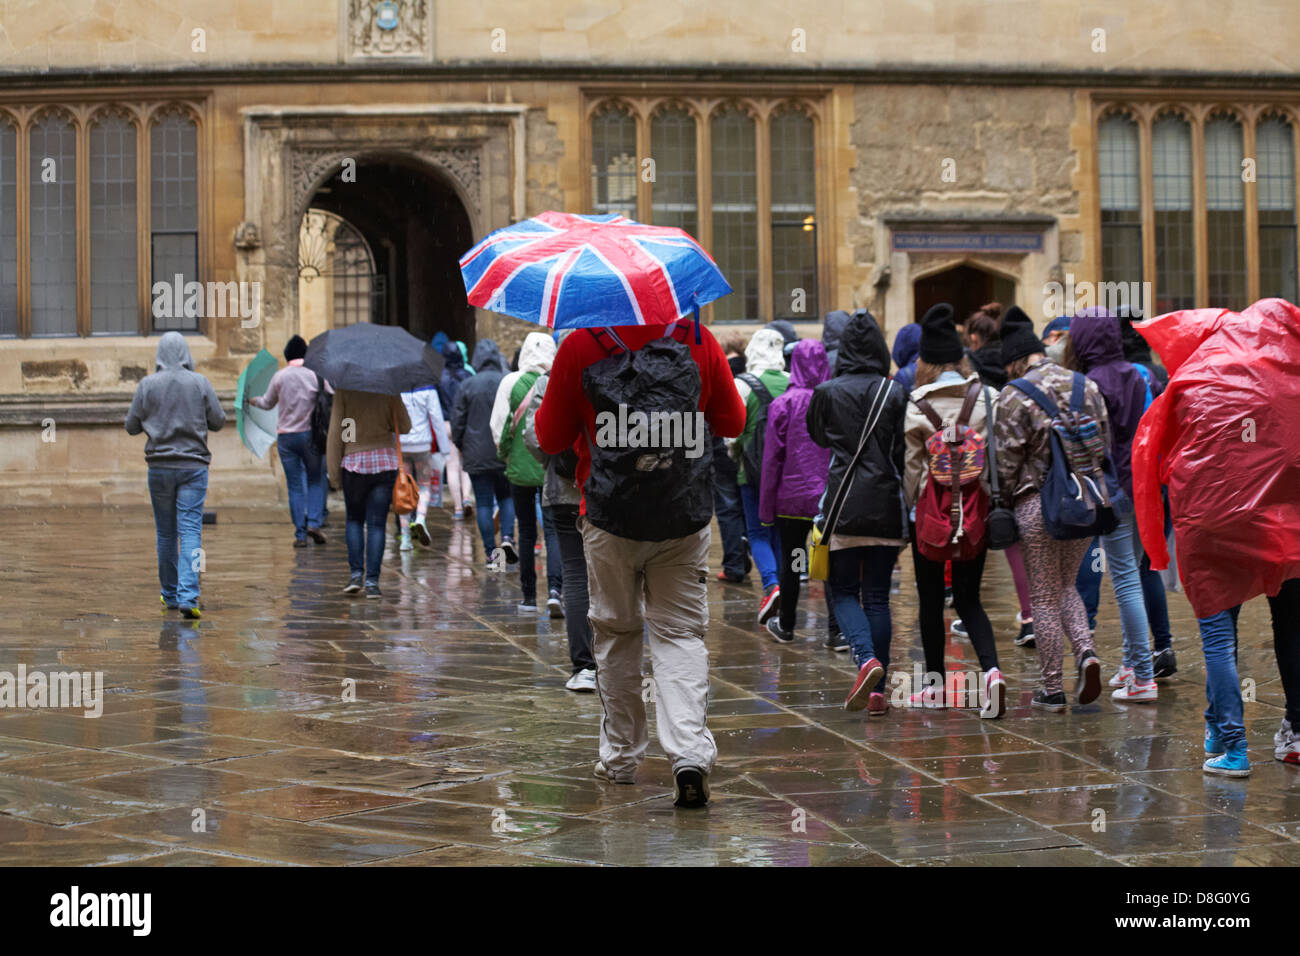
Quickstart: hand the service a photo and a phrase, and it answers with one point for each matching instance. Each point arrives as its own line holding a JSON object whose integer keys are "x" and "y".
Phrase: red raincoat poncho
{"x": 1225, "y": 437}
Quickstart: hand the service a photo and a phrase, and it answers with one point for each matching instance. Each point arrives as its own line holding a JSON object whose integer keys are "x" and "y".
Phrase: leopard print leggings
{"x": 1058, "y": 609}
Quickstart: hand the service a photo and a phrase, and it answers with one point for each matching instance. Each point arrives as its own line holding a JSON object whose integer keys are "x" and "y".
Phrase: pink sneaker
{"x": 877, "y": 706}
{"x": 869, "y": 675}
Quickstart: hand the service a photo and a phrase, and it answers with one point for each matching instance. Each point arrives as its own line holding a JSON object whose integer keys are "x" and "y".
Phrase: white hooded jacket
{"x": 537, "y": 354}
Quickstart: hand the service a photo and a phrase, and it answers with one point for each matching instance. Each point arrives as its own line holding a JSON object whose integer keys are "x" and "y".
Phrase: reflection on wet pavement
{"x": 295, "y": 725}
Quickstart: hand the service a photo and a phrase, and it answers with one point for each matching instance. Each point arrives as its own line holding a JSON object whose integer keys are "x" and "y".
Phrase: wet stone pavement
{"x": 232, "y": 741}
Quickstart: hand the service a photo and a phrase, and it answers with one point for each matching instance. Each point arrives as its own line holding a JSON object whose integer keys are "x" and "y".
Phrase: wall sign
{"x": 968, "y": 241}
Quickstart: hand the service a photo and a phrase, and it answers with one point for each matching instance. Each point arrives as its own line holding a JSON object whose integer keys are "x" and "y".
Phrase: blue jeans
{"x": 729, "y": 511}
{"x": 1222, "y": 687}
{"x": 1088, "y": 582}
{"x": 304, "y": 473}
{"x": 367, "y": 499}
{"x": 491, "y": 488}
{"x": 1122, "y": 548}
{"x": 859, "y": 583}
{"x": 762, "y": 538}
{"x": 526, "y": 498}
{"x": 177, "y": 495}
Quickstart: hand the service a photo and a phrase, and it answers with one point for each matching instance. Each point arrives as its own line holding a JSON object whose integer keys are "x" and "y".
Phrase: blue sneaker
{"x": 1213, "y": 745}
{"x": 1231, "y": 764}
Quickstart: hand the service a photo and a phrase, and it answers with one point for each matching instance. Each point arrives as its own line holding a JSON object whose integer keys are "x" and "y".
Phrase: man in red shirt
{"x": 638, "y": 583}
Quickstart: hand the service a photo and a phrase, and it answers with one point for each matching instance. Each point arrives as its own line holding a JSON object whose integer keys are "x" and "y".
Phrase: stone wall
{"x": 964, "y": 154}
{"x": 1257, "y": 36}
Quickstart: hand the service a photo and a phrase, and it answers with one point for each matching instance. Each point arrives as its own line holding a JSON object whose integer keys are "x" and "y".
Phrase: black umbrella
{"x": 373, "y": 358}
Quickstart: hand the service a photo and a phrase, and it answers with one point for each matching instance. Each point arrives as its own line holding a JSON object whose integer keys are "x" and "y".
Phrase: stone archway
{"x": 476, "y": 150}
{"x": 964, "y": 286}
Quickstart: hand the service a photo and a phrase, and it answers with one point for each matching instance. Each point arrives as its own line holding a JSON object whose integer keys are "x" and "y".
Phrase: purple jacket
{"x": 1098, "y": 345}
{"x": 794, "y": 466}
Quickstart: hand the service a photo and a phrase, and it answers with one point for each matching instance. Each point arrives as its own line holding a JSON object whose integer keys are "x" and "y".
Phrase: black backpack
{"x": 650, "y": 492}
{"x": 752, "y": 454}
{"x": 321, "y": 409}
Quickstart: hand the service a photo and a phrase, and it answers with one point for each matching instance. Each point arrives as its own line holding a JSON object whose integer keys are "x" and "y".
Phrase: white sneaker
{"x": 583, "y": 682}
{"x": 420, "y": 533}
{"x": 1123, "y": 677}
{"x": 958, "y": 628}
{"x": 404, "y": 542}
{"x": 1135, "y": 693}
{"x": 995, "y": 695}
{"x": 1286, "y": 744}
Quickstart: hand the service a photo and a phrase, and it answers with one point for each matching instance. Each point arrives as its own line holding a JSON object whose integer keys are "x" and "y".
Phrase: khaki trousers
{"x": 659, "y": 587}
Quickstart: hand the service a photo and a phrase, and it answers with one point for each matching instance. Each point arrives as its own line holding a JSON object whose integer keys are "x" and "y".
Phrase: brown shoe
{"x": 317, "y": 535}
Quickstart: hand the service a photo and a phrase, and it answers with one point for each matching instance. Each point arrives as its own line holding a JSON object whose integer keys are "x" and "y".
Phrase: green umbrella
{"x": 256, "y": 426}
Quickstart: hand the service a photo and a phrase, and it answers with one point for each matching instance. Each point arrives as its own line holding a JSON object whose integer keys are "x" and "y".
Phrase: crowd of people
{"x": 827, "y": 458}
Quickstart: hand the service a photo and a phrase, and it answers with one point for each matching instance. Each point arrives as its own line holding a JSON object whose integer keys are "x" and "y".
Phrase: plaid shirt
{"x": 371, "y": 461}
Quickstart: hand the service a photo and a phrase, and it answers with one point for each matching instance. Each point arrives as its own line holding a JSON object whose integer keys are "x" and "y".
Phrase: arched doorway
{"x": 408, "y": 227}
{"x": 964, "y": 287}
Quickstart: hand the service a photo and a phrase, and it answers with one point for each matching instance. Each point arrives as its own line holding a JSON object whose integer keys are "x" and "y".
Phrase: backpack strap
{"x": 522, "y": 408}
{"x": 1078, "y": 393}
{"x": 968, "y": 406}
{"x": 1037, "y": 396}
{"x": 929, "y": 411}
{"x": 618, "y": 344}
{"x": 756, "y": 386}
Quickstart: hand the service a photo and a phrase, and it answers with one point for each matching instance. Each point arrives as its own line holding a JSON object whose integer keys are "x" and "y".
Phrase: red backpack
{"x": 952, "y": 512}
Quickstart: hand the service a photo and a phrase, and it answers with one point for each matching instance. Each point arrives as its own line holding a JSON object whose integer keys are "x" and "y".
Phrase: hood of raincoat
{"x": 907, "y": 344}
{"x": 451, "y": 356}
{"x": 833, "y": 329}
{"x": 862, "y": 348}
{"x": 537, "y": 353}
{"x": 173, "y": 353}
{"x": 1095, "y": 336}
{"x": 488, "y": 355}
{"x": 765, "y": 352}
{"x": 808, "y": 366}
{"x": 794, "y": 466}
{"x": 1222, "y": 437}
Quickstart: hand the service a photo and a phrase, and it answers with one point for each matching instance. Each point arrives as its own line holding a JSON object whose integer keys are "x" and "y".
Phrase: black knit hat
{"x": 1018, "y": 336}
{"x": 940, "y": 343}
{"x": 295, "y": 348}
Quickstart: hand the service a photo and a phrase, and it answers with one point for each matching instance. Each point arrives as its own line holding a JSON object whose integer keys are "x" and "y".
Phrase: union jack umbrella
{"x": 567, "y": 272}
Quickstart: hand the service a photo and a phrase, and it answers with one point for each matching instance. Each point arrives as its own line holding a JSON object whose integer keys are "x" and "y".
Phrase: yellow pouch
{"x": 819, "y": 559}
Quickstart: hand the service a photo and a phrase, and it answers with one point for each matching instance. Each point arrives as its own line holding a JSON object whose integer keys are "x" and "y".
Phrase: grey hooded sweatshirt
{"x": 176, "y": 407}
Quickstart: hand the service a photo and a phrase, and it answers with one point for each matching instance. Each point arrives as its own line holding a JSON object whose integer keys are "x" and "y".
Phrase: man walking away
{"x": 471, "y": 432}
{"x": 293, "y": 391}
{"x": 646, "y": 530}
{"x": 177, "y": 407}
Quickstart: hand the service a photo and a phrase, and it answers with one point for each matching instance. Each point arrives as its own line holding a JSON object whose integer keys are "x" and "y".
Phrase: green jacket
{"x": 522, "y": 467}
{"x": 776, "y": 381}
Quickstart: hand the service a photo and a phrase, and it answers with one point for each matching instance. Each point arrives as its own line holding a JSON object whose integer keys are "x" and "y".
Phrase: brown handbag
{"x": 406, "y": 493}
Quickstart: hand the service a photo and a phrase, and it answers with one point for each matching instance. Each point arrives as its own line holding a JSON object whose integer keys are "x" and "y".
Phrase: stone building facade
{"x": 855, "y": 154}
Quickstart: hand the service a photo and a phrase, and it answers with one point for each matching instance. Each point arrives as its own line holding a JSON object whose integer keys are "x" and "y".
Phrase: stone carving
{"x": 309, "y": 166}
{"x": 247, "y": 237}
{"x": 389, "y": 28}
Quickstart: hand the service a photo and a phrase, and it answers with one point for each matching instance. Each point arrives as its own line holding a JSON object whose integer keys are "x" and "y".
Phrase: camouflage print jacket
{"x": 1022, "y": 428}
